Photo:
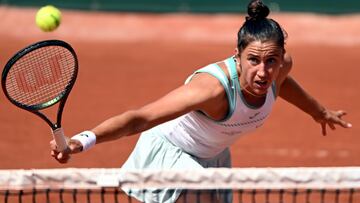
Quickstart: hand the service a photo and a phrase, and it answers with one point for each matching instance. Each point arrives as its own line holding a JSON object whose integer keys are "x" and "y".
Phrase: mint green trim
{"x": 233, "y": 73}
{"x": 231, "y": 66}
{"x": 231, "y": 96}
{"x": 218, "y": 73}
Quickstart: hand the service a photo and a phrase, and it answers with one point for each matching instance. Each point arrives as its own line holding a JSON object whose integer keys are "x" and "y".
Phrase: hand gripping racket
{"x": 39, "y": 76}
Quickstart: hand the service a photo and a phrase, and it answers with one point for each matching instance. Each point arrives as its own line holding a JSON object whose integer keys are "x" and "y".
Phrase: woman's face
{"x": 259, "y": 66}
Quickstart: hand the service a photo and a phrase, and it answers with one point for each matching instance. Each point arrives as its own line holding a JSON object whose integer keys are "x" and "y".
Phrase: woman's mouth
{"x": 262, "y": 84}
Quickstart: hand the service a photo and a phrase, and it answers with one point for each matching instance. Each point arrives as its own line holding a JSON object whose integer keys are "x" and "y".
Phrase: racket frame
{"x": 61, "y": 98}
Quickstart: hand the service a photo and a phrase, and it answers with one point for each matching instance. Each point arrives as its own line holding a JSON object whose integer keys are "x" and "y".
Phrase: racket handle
{"x": 59, "y": 138}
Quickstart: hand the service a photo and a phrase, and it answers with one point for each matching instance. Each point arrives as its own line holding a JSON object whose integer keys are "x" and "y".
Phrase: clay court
{"x": 127, "y": 60}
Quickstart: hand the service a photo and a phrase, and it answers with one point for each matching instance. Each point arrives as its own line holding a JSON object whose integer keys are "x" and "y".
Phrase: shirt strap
{"x": 217, "y": 72}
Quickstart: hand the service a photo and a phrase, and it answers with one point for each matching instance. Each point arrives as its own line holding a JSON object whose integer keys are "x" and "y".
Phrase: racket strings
{"x": 41, "y": 76}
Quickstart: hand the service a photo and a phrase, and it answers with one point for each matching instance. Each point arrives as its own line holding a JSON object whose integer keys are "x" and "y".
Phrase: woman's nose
{"x": 262, "y": 71}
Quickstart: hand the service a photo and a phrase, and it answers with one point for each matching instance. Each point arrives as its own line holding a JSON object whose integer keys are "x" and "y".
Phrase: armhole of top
{"x": 231, "y": 66}
{"x": 230, "y": 63}
{"x": 218, "y": 73}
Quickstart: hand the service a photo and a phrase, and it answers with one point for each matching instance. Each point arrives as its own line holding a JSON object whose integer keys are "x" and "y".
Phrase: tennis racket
{"x": 39, "y": 76}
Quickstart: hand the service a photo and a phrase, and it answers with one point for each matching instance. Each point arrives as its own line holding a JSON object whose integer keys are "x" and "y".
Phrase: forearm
{"x": 293, "y": 93}
{"x": 126, "y": 124}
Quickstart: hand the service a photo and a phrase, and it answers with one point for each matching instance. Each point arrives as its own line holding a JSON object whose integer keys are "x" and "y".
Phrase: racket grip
{"x": 59, "y": 138}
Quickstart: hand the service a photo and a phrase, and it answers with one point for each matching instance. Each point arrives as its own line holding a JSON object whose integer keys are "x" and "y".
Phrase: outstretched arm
{"x": 203, "y": 91}
{"x": 293, "y": 93}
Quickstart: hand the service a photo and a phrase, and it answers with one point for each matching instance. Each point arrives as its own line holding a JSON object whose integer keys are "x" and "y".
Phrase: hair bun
{"x": 257, "y": 10}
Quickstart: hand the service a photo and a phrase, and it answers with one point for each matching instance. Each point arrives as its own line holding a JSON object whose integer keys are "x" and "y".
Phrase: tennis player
{"x": 193, "y": 126}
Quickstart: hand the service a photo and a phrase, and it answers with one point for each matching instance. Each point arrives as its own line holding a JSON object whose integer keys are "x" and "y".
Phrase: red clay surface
{"x": 128, "y": 60}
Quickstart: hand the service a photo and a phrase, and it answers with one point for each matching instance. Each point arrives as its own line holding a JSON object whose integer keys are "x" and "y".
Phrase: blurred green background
{"x": 203, "y": 6}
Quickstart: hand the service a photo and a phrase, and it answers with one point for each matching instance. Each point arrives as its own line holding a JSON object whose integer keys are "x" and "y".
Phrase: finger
{"x": 341, "y": 113}
{"x": 53, "y": 145}
{"x": 52, "y": 142}
{"x": 54, "y": 153}
{"x": 343, "y": 123}
{"x": 323, "y": 129}
{"x": 332, "y": 126}
{"x": 63, "y": 161}
{"x": 62, "y": 157}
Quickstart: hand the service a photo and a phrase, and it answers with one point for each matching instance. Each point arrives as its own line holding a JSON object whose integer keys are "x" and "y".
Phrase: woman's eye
{"x": 253, "y": 60}
{"x": 271, "y": 61}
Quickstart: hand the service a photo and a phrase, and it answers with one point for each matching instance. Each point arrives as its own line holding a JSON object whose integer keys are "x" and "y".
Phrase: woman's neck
{"x": 250, "y": 97}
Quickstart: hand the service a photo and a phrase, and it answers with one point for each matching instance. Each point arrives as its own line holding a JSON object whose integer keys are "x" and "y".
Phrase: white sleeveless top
{"x": 199, "y": 135}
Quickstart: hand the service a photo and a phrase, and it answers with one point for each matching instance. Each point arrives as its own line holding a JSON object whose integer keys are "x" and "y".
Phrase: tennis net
{"x": 243, "y": 185}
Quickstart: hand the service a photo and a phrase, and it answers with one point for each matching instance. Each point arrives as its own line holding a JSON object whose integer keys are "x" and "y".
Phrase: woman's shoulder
{"x": 288, "y": 62}
{"x": 284, "y": 71}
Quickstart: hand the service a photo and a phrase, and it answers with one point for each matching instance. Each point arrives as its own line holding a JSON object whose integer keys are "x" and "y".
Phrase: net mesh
{"x": 41, "y": 75}
{"x": 278, "y": 185}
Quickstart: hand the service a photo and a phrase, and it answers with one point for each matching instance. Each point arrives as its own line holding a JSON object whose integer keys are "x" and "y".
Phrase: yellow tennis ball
{"x": 48, "y": 18}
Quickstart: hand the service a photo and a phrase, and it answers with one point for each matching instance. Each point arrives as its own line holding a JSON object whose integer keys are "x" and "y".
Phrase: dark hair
{"x": 258, "y": 27}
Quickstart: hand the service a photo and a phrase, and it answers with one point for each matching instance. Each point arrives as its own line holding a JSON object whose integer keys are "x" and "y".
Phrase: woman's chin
{"x": 260, "y": 90}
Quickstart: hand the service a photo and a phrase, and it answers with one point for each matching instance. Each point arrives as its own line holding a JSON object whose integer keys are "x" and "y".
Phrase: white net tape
{"x": 236, "y": 178}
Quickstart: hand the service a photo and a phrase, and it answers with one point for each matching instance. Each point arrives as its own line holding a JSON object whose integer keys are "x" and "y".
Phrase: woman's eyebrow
{"x": 274, "y": 55}
{"x": 252, "y": 55}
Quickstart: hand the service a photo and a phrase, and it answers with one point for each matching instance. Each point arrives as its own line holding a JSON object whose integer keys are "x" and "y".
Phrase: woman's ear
{"x": 237, "y": 52}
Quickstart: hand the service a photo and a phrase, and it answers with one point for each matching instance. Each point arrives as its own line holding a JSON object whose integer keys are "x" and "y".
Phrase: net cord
{"x": 222, "y": 178}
